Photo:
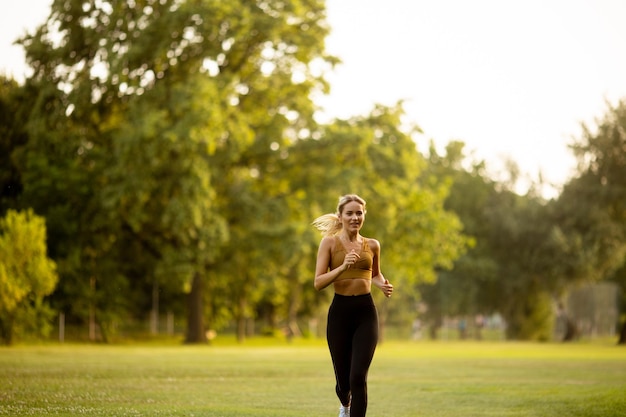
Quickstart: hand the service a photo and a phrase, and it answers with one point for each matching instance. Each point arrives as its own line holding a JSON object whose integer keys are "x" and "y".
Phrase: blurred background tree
{"x": 27, "y": 276}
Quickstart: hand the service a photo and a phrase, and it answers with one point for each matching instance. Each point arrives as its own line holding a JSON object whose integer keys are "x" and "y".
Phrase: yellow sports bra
{"x": 362, "y": 269}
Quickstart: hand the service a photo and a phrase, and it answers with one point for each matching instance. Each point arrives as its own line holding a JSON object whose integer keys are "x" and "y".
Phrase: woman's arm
{"x": 377, "y": 276}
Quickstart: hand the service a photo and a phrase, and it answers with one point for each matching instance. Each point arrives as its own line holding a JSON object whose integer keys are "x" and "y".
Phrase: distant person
{"x": 480, "y": 324}
{"x": 417, "y": 329}
{"x": 351, "y": 263}
{"x": 462, "y": 329}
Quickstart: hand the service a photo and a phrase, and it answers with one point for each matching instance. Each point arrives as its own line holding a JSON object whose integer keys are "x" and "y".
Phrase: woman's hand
{"x": 387, "y": 288}
{"x": 350, "y": 259}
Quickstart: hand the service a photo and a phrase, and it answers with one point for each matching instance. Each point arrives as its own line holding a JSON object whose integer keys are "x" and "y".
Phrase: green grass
{"x": 442, "y": 379}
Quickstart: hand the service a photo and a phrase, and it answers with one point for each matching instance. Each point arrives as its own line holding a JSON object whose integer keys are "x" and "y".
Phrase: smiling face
{"x": 352, "y": 216}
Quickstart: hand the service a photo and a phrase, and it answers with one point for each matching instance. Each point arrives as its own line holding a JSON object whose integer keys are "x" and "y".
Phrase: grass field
{"x": 272, "y": 379}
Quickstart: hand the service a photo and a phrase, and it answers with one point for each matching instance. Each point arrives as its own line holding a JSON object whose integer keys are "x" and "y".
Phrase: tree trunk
{"x": 293, "y": 330}
{"x": 104, "y": 329}
{"x": 434, "y": 326}
{"x": 241, "y": 321}
{"x": 571, "y": 330}
{"x": 154, "y": 312}
{"x": 622, "y": 335}
{"x": 6, "y": 330}
{"x": 195, "y": 321}
{"x": 92, "y": 310}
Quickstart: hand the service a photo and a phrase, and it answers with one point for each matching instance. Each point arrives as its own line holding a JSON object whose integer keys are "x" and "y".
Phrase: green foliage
{"x": 27, "y": 275}
{"x": 510, "y": 267}
{"x": 170, "y": 143}
{"x": 529, "y": 315}
{"x": 528, "y": 252}
{"x": 142, "y": 112}
{"x": 13, "y": 105}
{"x": 592, "y": 206}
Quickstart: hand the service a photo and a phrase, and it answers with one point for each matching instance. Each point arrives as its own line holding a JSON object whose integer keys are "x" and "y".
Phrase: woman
{"x": 351, "y": 263}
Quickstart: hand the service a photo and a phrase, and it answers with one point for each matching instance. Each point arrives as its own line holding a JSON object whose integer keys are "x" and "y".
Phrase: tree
{"x": 511, "y": 268}
{"x": 12, "y": 135}
{"x": 143, "y": 109}
{"x": 27, "y": 275}
{"x": 524, "y": 247}
{"x": 619, "y": 277}
{"x": 592, "y": 207}
{"x": 469, "y": 288}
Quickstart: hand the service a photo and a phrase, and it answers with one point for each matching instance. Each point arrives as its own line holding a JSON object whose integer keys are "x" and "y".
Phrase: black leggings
{"x": 352, "y": 334}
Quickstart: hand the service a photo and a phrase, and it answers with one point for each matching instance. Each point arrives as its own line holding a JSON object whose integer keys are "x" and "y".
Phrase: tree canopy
{"x": 173, "y": 150}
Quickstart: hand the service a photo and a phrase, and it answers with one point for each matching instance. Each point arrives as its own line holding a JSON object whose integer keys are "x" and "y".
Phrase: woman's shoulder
{"x": 328, "y": 241}
{"x": 372, "y": 243}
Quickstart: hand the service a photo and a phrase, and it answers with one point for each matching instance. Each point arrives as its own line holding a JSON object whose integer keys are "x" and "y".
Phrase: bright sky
{"x": 16, "y": 18}
{"x": 512, "y": 79}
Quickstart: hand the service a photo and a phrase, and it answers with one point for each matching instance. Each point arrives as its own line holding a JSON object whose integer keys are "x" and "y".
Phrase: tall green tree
{"x": 27, "y": 275}
{"x": 592, "y": 207}
{"x": 468, "y": 289}
{"x": 143, "y": 108}
{"x": 13, "y": 116}
{"x": 511, "y": 267}
{"x": 524, "y": 246}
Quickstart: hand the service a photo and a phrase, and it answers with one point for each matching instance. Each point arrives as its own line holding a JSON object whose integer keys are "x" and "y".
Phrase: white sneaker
{"x": 344, "y": 411}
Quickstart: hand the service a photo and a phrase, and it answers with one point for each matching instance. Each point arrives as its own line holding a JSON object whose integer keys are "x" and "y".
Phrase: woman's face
{"x": 352, "y": 216}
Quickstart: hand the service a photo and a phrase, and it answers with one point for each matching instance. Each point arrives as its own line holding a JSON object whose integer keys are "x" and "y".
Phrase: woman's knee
{"x": 358, "y": 380}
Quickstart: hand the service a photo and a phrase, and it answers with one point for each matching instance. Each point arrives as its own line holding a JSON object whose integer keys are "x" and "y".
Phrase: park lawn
{"x": 272, "y": 379}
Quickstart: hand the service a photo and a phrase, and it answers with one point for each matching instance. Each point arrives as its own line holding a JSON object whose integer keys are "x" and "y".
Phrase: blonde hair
{"x": 330, "y": 224}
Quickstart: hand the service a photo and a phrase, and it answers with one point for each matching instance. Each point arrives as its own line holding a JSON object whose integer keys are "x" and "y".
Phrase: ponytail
{"x": 329, "y": 224}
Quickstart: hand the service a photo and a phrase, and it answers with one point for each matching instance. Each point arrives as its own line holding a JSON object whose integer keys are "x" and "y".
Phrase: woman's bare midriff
{"x": 355, "y": 286}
